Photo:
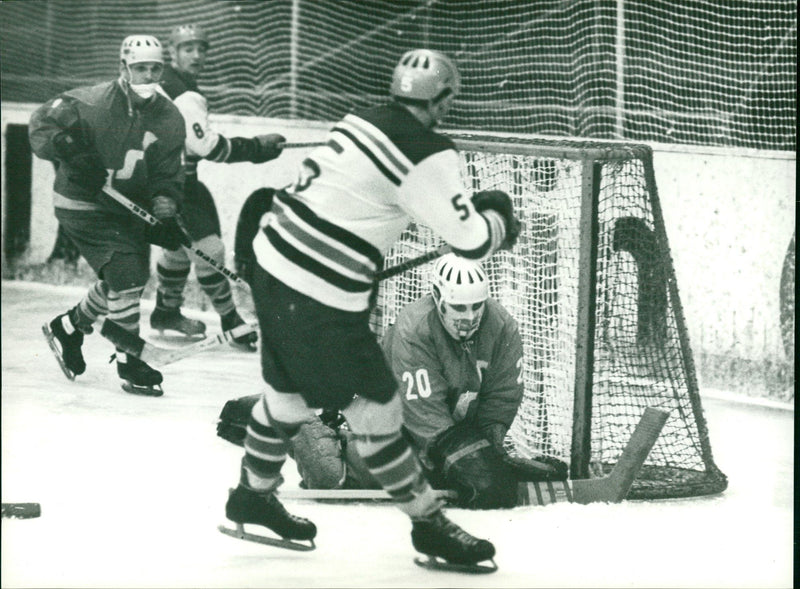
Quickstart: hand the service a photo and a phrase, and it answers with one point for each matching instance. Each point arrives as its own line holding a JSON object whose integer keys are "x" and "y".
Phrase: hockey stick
{"x": 413, "y": 262}
{"x": 288, "y": 145}
{"x": 612, "y": 488}
{"x": 349, "y": 494}
{"x": 134, "y": 345}
{"x": 151, "y": 220}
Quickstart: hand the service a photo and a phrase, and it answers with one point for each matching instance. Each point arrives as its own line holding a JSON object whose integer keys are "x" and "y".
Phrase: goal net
{"x": 593, "y": 289}
{"x": 690, "y": 72}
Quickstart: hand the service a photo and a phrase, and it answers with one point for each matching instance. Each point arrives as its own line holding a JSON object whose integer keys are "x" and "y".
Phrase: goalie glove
{"x": 499, "y": 202}
{"x": 469, "y": 464}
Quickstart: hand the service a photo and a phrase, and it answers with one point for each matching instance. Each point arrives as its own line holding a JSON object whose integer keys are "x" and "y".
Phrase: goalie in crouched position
{"x": 457, "y": 356}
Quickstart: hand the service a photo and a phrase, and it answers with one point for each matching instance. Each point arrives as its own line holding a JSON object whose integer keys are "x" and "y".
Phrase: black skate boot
{"x": 246, "y": 506}
{"x": 171, "y": 319}
{"x": 248, "y": 342}
{"x": 448, "y": 547}
{"x": 66, "y": 347}
{"x": 137, "y": 377}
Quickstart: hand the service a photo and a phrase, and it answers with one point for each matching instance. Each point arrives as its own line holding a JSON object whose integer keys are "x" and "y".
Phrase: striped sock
{"x": 92, "y": 306}
{"x": 266, "y": 447}
{"x": 394, "y": 465}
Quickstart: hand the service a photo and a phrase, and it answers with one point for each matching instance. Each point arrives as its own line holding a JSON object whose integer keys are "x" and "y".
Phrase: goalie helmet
{"x": 188, "y": 33}
{"x": 460, "y": 289}
{"x": 141, "y": 48}
{"x": 423, "y": 74}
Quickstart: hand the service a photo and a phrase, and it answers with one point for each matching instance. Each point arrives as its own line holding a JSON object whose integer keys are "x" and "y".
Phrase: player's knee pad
{"x": 285, "y": 408}
{"x": 470, "y": 465}
{"x": 174, "y": 259}
{"x": 213, "y": 246}
{"x": 370, "y": 418}
{"x": 125, "y": 271}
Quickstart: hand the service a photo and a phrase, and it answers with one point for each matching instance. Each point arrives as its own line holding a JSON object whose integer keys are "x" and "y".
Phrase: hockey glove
{"x": 166, "y": 234}
{"x": 232, "y": 424}
{"x": 84, "y": 166}
{"x": 268, "y": 147}
{"x": 257, "y": 150}
{"x": 538, "y": 468}
{"x": 254, "y": 208}
{"x": 500, "y": 202}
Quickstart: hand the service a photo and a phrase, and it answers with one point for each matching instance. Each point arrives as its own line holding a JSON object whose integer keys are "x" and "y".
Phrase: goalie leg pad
{"x": 318, "y": 454}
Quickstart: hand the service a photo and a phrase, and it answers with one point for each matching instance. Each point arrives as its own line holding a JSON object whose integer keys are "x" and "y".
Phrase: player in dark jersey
{"x": 188, "y": 46}
{"x": 127, "y": 128}
{"x": 318, "y": 251}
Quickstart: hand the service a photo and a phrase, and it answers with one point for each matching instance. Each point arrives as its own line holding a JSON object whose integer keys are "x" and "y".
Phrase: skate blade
{"x": 240, "y": 534}
{"x": 434, "y": 563}
{"x": 51, "y": 341}
{"x": 154, "y": 391}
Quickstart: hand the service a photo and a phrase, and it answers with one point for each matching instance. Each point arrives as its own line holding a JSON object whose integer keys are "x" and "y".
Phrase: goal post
{"x": 592, "y": 286}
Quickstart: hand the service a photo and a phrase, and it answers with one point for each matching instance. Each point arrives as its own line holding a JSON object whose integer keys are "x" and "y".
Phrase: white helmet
{"x": 423, "y": 74}
{"x": 460, "y": 287}
{"x": 140, "y": 48}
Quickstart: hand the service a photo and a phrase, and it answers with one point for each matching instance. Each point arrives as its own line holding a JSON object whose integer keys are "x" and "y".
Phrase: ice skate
{"x": 162, "y": 320}
{"x": 137, "y": 377}
{"x": 66, "y": 347}
{"x": 248, "y": 342}
{"x": 245, "y": 506}
{"x": 448, "y": 547}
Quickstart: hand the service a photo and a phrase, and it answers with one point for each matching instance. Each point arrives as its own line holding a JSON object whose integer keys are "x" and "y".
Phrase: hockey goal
{"x": 593, "y": 288}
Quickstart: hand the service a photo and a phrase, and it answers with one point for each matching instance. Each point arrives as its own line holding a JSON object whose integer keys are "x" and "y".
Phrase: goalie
{"x": 457, "y": 355}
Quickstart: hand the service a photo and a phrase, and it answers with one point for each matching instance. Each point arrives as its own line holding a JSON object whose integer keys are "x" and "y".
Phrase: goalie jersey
{"x": 444, "y": 381}
{"x": 352, "y": 198}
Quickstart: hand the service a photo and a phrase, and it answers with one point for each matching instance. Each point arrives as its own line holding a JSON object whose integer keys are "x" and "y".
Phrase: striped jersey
{"x": 379, "y": 170}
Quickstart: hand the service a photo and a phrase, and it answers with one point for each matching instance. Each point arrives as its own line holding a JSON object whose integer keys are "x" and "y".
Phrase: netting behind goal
{"x": 690, "y": 72}
{"x": 591, "y": 284}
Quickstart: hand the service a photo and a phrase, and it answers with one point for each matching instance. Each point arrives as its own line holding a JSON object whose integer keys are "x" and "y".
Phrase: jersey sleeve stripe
{"x": 335, "y": 232}
{"x": 378, "y": 164}
{"x": 313, "y": 266}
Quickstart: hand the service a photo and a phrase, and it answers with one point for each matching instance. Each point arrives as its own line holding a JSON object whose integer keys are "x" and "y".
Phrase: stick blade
{"x": 615, "y": 487}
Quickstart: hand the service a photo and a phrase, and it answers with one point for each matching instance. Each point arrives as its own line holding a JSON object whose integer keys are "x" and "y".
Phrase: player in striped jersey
{"x": 317, "y": 251}
{"x": 188, "y": 47}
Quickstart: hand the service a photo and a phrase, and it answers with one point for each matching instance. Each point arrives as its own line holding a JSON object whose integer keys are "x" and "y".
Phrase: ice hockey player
{"x": 457, "y": 354}
{"x": 318, "y": 251}
{"x": 126, "y": 127}
{"x": 188, "y": 46}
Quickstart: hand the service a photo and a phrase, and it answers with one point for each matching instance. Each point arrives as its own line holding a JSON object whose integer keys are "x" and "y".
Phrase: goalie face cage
{"x": 593, "y": 288}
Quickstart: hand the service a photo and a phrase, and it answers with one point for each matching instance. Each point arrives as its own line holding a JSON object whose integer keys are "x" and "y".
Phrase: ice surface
{"x": 132, "y": 490}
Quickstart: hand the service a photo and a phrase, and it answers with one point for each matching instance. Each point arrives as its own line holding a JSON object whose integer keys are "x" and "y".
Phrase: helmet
{"x": 460, "y": 286}
{"x": 423, "y": 74}
{"x": 187, "y": 33}
{"x": 139, "y": 48}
